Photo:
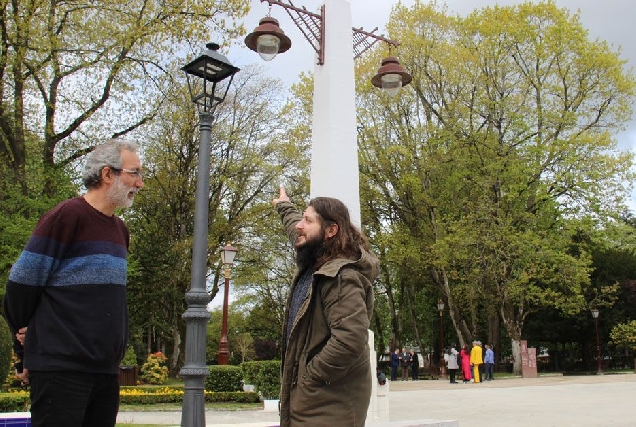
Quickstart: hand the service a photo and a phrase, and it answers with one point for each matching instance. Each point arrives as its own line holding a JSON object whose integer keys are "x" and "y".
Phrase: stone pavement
{"x": 586, "y": 401}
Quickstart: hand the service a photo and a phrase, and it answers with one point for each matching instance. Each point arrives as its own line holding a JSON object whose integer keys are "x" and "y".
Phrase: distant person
{"x": 405, "y": 361}
{"x": 395, "y": 363}
{"x": 465, "y": 367}
{"x": 326, "y": 370}
{"x": 489, "y": 362}
{"x": 450, "y": 357}
{"x": 476, "y": 361}
{"x": 415, "y": 364}
{"x": 66, "y": 296}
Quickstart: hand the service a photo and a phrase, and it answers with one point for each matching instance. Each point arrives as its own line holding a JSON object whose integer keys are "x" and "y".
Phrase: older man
{"x": 66, "y": 296}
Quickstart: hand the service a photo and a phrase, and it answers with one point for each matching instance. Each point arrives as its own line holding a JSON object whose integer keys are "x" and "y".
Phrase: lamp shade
{"x": 594, "y": 312}
{"x": 391, "y": 76}
{"x": 227, "y": 254}
{"x": 440, "y": 305}
{"x": 203, "y": 75}
{"x": 268, "y": 39}
{"x": 211, "y": 65}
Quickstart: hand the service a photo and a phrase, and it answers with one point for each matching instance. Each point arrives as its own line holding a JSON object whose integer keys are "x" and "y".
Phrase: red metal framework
{"x": 312, "y": 25}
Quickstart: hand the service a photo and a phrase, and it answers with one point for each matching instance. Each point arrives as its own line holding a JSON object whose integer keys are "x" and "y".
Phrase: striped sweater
{"x": 69, "y": 287}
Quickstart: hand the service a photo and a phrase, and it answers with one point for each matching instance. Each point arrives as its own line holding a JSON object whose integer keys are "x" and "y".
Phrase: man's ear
{"x": 331, "y": 231}
{"x": 108, "y": 175}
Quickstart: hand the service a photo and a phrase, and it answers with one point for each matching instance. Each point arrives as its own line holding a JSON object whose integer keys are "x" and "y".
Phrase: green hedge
{"x": 265, "y": 375}
{"x": 19, "y": 402}
{"x": 227, "y": 378}
{"x": 16, "y": 402}
{"x": 6, "y": 345}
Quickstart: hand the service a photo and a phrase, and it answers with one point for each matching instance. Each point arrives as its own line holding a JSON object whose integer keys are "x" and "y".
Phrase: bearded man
{"x": 66, "y": 296}
{"x": 326, "y": 370}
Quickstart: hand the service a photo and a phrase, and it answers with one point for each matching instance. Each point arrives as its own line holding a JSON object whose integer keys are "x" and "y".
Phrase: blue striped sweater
{"x": 69, "y": 287}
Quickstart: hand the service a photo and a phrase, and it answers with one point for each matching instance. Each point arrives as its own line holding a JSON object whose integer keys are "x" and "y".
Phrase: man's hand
{"x": 24, "y": 376}
{"x": 21, "y": 334}
{"x": 282, "y": 197}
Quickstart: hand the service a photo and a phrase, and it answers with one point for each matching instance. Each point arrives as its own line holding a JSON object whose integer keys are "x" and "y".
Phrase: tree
{"x": 69, "y": 68}
{"x": 500, "y": 151}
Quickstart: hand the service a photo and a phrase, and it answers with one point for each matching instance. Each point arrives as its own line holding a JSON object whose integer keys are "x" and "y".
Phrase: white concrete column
{"x": 334, "y": 155}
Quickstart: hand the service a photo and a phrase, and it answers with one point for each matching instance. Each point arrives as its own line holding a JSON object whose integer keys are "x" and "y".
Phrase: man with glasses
{"x": 66, "y": 296}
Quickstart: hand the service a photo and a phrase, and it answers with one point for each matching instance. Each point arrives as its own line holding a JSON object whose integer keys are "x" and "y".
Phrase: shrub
{"x": 265, "y": 375}
{"x": 137, "y": 396}
{"x": 130, "y": 359}
{"x": 6, "y": 350}
{"x": 154, "y": 370}
{"x": 17, "y": 401}
{"x": 224, "y": 378}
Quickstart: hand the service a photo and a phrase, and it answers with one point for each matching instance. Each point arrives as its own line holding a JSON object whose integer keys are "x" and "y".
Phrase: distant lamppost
{"x": 440, "y": 308}
{"x": 203, "y": 74}
{"x": 599, "y": 362}
{"x": 336, "y": 44}
{"x": 227, "y": 259}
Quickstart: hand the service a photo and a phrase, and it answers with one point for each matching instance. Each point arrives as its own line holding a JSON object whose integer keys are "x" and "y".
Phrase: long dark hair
{"x": 348, "y": 240}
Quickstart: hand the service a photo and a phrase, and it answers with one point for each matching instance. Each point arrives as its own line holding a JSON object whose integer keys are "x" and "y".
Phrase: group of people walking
{"x": 473, "y": 364}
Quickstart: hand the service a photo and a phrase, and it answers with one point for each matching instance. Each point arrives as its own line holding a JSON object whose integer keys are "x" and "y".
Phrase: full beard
{"x": 308, "y": 253}
{"x": 118, "y": 194}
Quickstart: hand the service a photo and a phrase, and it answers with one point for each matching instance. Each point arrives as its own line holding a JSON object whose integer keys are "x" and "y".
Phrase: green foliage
{"x": 6, "y": 351}
{"x": 624, "y": 334}
{"x": 264, "y": 375}
{"x": 130, "y": 358}
{"x": 226, "y": 378}
{"x": 15, "y": 401}
{"x": 154, "y": 370}
{"x": 475, "y": 182}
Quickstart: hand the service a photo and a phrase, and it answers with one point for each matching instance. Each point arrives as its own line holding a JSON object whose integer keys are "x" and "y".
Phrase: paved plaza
{"x": 582, "y": 401}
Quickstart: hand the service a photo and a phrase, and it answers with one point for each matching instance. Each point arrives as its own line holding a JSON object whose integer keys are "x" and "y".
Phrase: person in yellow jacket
{"x": 476, "y": 360}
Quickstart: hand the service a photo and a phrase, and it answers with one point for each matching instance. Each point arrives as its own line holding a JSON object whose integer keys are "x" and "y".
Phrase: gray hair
{"x": 106, "y": 155}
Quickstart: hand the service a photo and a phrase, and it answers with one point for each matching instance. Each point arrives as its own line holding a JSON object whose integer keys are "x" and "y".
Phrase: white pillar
{"x": 334, "y": 156}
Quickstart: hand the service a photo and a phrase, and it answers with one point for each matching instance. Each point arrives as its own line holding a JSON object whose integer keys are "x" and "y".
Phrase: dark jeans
{"x": 73, "y": 399}
{"x": 489, "y": 371}
{"x": 394, "y": 373}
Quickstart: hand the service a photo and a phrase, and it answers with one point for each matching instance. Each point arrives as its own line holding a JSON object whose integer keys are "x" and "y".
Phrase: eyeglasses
{"x": 135, "y": 173}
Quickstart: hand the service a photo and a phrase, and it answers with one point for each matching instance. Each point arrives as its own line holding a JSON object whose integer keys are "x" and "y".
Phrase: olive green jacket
{"x": 326, "y": 372}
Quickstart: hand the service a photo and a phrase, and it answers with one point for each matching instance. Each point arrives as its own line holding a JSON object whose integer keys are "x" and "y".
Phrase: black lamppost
{"x": 442, "y": 365}
{"x": 227, "y": 259}
{"x": 599, "y": 362}
{"x": 203, "y": 75}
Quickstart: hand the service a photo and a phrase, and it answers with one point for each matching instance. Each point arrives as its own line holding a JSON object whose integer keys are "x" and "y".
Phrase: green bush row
{"x": 153, "y": 398}
{"x": 13, "y": 402}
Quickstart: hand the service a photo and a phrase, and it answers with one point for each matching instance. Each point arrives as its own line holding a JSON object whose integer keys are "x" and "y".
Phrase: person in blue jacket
{"x": 395, "y": 363}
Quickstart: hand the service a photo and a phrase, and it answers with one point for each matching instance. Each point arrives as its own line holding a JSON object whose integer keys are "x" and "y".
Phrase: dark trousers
{"x": 414, "y": 372}
{"x": 73, "y": 399}
{"x": 394, "y": 373}
{"x": 405, "y": 372}
{"x": 452, "y": 373}
{"x": 489, "y": 371}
